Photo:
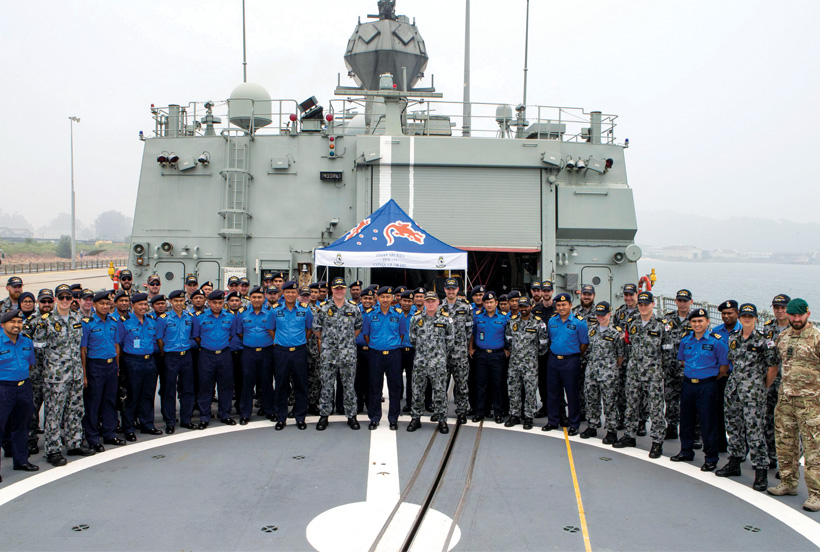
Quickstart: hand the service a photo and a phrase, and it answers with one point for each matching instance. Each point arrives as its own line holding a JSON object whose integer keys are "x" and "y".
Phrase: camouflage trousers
{"x": 672, "y": 385}
{"x": 602, "y": 387}
{"x": 436, "y": 372}
{"x": 522, "y": 374}
{"x": 458, "y": 368}
{"x": 796, "y": 419}
{"x": 651, "y": 392}
{"x": 744, "y": 409}
{"x": 36, "y": 378}
{"x": 63, "y": 415}
{"x": 345, "y": 366}
{"x": 771, "y": 403}
{"x": 314, "y": 380}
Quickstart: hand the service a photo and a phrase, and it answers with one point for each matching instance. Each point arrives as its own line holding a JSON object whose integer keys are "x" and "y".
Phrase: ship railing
{"x": 54, "y": 266}
{"x": 667, "y": 304}
{"x": 193, "y": 119}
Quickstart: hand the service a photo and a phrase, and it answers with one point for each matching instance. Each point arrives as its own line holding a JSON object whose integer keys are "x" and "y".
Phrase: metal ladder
{"x": 235, "y": 215}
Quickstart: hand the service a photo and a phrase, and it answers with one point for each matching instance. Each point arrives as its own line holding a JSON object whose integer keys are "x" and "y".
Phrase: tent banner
{"x": 392, "y": 259}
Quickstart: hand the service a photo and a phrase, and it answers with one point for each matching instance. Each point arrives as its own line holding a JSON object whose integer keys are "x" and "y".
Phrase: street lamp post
{"x": 73, "y": 225}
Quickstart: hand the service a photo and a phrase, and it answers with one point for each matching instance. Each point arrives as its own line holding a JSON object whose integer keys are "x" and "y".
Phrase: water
{"x": 754, "y": 283}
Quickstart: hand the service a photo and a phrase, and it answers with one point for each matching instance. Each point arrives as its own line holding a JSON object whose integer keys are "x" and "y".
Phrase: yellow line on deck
{"x": 581, "y": 514}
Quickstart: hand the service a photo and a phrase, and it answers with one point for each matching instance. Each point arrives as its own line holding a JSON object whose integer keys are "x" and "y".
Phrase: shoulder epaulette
{"x": 716, "y": 335}
{"x": 369, "y": 310}
{"x": 554, "y": 315}
{"x": 631, "y": 318}
{"x": 275, "y": 305}
{"x": 163, "y": 315}
{"x": 479, "y": 311}
{"x": 349, "y": 301}
{"x": 618, "y": 329}
{"x": 45, "y": 315}
{"x": 123, "y": 318}
{"x": 241, "y": 310}
{"x": 514, "y": 317}
{"x": 86, "y": 319}
{"x": 579, "y": 317}
{"x": 769, "y": 322}
{"x": 443, "y": 313}
{"x": 663, "y": 321}
{"x": 304, "y": 305}
{"x": 323, "y": 303}
{"x": 670, "y": 314}
{"x": 537, "y": 317}
{"x": 198, "y": 313}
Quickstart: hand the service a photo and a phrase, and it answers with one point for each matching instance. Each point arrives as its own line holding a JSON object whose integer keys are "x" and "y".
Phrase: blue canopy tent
{"x": 389, "y": 238}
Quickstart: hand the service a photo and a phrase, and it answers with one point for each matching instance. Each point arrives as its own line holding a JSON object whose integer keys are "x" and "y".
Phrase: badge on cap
{"x": 646, "y": 297}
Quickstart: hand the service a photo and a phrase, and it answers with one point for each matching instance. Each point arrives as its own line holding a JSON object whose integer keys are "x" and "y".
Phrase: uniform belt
{"x": 219, "y": 352}
{"x": 386, "y": 352}
{"x": 180, "y": 353}
{"x": 365, "y": 347}
{"x": 700, "y": 380}
{"x": 144, "y": 357}
{"x": 106, "y": 360}
{"x": 407, "y": 349}
{"x": 20, "y": 383}
{"x": 562, "y": 357}
{"x": 490, "y": 351}
{"x": 290, "y": 349}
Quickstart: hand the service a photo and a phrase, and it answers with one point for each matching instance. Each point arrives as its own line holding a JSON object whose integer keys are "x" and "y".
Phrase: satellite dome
{"x": 250, "y": 103}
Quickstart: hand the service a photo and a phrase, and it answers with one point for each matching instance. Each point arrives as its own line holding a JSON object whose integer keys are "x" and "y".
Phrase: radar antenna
{"x": 387, "y": 9}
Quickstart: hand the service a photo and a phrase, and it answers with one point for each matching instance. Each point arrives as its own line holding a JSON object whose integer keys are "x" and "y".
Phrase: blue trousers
{"x": 384, "y": 363}
{"x": 701, "y": 400}
{"x": 562, "y": 377}
{"x": 215, "y": 369}
{"x": 100, "y": 397}
{"x": 489, "y": 372}
{"x": 289, "y": 365}
{"x": 141, "y": 383}
{"x": 257, "y": 370}
{"x": 362, "y": 376}
{"x": 179, "y": 379}
{"x": 16, "y": 406}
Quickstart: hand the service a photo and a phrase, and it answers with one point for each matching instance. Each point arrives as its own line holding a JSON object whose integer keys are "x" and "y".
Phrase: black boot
{"x": 321, "y": 425}
{"x": 611, "y": 437}
{"x": 512, "y": 421}
{"x": 761, "y": 479}
{"x": 732, "y": 468}
{"x": 415, "y": 424}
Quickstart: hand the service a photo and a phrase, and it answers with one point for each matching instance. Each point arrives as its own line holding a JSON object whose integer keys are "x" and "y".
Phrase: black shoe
{"x": 541, "y": 413}
{"x": 188, "y": 425}
{"x": 499, "y": 419}
{"x": 279, "y": 426}
{"x": 80, "y": 451}
{"x": 169, "y": 430}
{"x": 656, "y": 451}
{"x": 697, "y": 444}
{"x": 228, "y": 421}
{"x": 708, "y": 466}
{"x": 732, "y": 468}
{"x": 353, "y": 423}
{"x": 443, "y": 428}
{"x": 679, "y": 457}
{"x": 461, "y": 419}
{"x": 434, "y": 418}
{"x": 301, "y": 425}
{"x": 260, "y": 412}
{"x": 572, "y": 431}
{"x": 624, "y": 442}
{"x": 527, "y": 423}
{"x": 549, "y": 427}
{"x": 414, "y": 424}
{"x": 512, "y": 421}
{"x": 772, "y": 464}
{"x": 98, "y": 447}
{"x": 589, "y": 432}
{"x": 610, "y": 438}
{"x": 244, "y": 421}
{"x": 29, "y": 467}
{"x": 777, "y": 475}
{"x": 321, "y": 425}
{"x": 394, "y": 426}
{"x": 406, "y": 409}
{"x": 761, "y": 479}
{"x": 372, "y": 425}
{"x": 671, "y": 433}
{"x": 271, "y": 418}
{"x": 115, "y": 441}
{"x": 478, "y": 418}
{"x": 56, "y": 459}
{"x": 131, "y": 437}
{"x": 202, "y": 425}
{"x": 641, "y": 431}
{"x": 151, "y": 431}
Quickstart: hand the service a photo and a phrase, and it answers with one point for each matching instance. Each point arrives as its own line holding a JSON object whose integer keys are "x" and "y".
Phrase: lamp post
{"x": 73, "y": 229}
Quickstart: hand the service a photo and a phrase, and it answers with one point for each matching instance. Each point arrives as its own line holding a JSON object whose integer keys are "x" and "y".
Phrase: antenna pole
{"x": 244, "y": 51}
{"x": 526, "y": 52}
{"x": 467, "y": 114}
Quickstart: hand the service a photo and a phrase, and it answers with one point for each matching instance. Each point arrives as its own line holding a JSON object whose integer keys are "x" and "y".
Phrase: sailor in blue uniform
{"x": 291, "y": 323}
{"x": 174, "y": 336}
{"x": 99, "y": 351}
{"x": 569, "y": 339}
{"x": 488, "y": 348}
{"x": 16, "y": 396}
{"x": 383, "y": 329}
{"x": 367, "y": 298}
{"x": 136, "y": 334}
{"x": 253, "y": 327}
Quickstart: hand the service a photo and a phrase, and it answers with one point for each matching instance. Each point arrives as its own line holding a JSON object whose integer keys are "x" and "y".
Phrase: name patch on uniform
{"x": 571, "y": 326}
{"x": 531, "y": 330}
{"x": 96, "y": 330}
{"x": 708, "y": 347}
{"x": 609, "y": 338}
{"x": 440, "y": 325}
{"x": 300, "y": 313}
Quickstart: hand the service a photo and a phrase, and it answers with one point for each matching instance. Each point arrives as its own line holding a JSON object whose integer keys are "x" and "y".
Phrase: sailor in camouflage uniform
{"x": 754, "y": 368}
{"x": 526, "y": 338}
{"x": 458, "y": 365}
{"x": 619, "y": 318}
{"x": 645, "y": 336}
{"x": 46, "y": 304}
{"x": 14, "y": 287}
{"x": 585, "y": 310}
{"x": 336, "y": 326}
{"x": 432, "y": 334}
{"x": 605, "y": 356}
{"x": 773, "y": 328}
{"x": 677, "y": 325}
{"x": 314, "y": 362}
{"x": 59, "y": 335}
{"x": 798, "y": 405}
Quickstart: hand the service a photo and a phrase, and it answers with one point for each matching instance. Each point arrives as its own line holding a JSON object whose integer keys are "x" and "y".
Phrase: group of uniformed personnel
{"x": 93, "y": 361}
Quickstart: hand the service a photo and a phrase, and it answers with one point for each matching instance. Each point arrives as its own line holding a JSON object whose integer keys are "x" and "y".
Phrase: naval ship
{"x": 482, "y": 487}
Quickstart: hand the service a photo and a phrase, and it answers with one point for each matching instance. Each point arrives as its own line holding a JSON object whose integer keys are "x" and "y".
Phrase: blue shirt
{"x": 136, "y": 338}
{"x": 385, "y": 330}
{"x": 155, "y": 317}
{"x": 236, "y": 341}
{"x": 254, "y": 328}
{"x": 175, "y": 331}
{"x": 360, "y": 339}
{"x": 290, "y": 324}
{"x": 214, "y": 332}
{"x": 702, "y": 358}
{"x": 567, "y": 337}
{"x": 725, "y": 332}
{"x": 405, "y": 342}
{"x": 100, "y": 337}
{"x": 489, "y": 330}
{"x": 15, "y": 358}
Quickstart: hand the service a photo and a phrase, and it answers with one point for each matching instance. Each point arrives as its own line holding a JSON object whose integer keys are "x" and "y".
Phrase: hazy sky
{"x": 718, "y": 99}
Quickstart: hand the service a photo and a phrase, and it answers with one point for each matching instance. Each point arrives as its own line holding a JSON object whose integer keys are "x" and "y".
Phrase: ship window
{"x": 596, "y": 281}
{"x": 169, "y": 276}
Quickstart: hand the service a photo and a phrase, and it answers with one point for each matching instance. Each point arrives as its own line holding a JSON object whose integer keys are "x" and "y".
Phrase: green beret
{"x": 797, "y": 306}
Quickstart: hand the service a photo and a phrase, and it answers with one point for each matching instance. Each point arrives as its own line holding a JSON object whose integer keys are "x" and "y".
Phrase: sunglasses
{"x": 65, "y": 298}
{"x": 46, "y": 301}
{"x": 154, "y": 284}
{"x": 126, "y": 279}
